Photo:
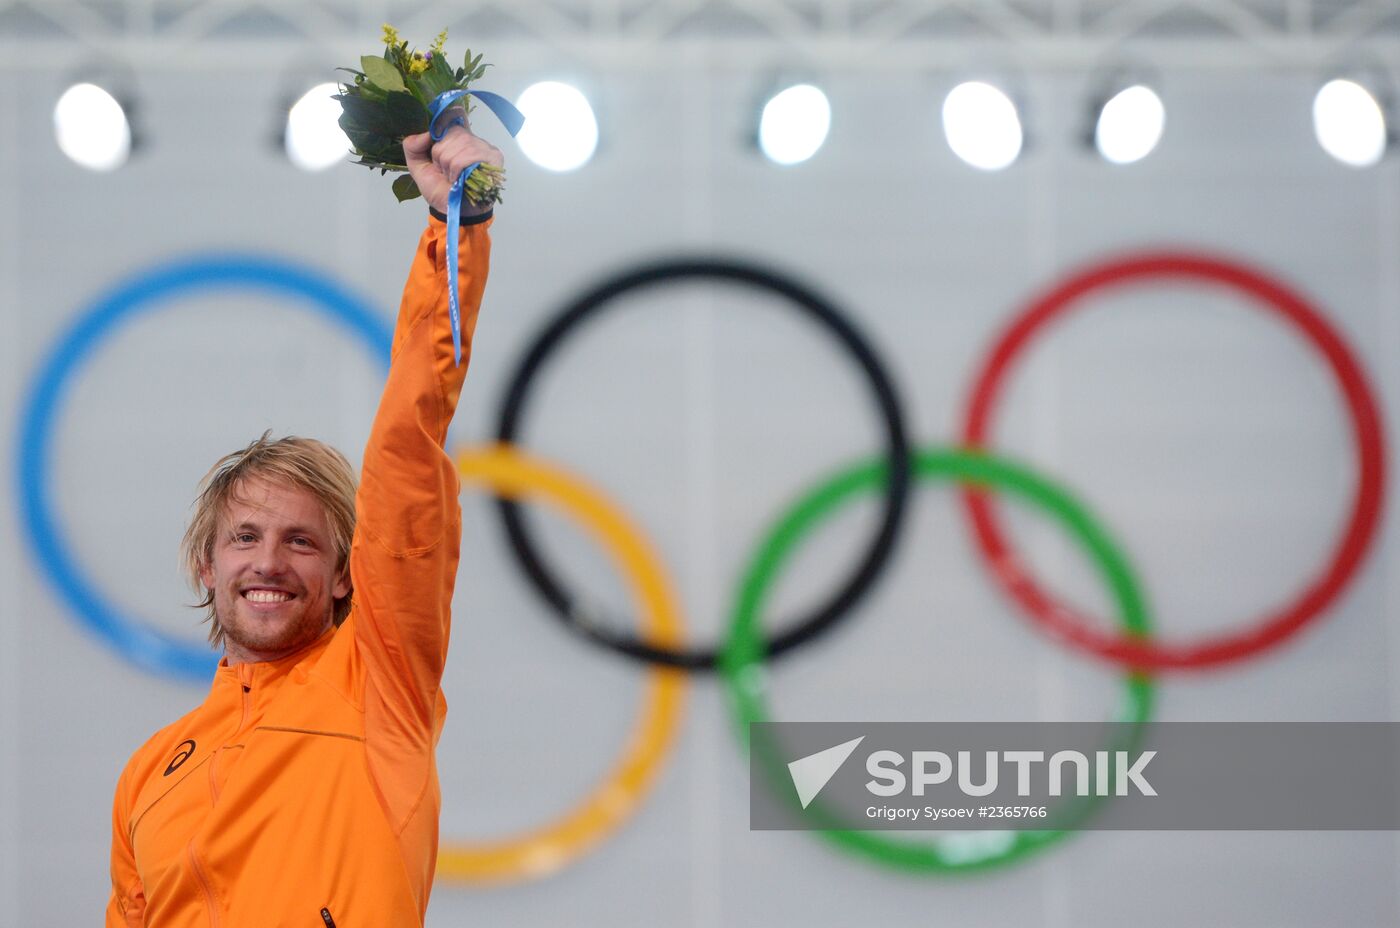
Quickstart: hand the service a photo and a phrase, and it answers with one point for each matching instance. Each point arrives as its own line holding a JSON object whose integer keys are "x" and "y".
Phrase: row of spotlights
{"x": 980, "y": 122}
{"x": 794, "y": 124}
{"x": 92, "y": 128}
{"x": 1350, "y": 124}
{"x": 1130, "y": 125}
{"x": 982, "y": 126}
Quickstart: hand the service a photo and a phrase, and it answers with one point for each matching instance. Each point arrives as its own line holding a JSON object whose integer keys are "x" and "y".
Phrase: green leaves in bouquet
{"x": 376, "y": 128}
{"x": 472, "y": 68}
{"x": 405, "y": 188}
{"x": 406, "y": 115}
{"x": 364, "y": 124}
{"x": 438, "y": 78}
{"x": 382, "y": 73}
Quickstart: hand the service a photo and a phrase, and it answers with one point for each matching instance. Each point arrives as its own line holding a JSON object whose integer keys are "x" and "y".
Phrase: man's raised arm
{"x": 403, "y": 560}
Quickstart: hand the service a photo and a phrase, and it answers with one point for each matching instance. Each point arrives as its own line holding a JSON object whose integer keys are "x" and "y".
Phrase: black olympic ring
{"x": 820, "y": 310}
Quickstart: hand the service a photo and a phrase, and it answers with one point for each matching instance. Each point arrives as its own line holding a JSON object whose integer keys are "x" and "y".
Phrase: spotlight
{"x": 560, "y": 132}
{"x": 313, "y": 138}
{"x": 92, "y": 128}
{"x": 794, "y": 124}
{"x": 982, "y": 126}
{"x": 1129, "y": 124}
{"x": 1350, "y": 122}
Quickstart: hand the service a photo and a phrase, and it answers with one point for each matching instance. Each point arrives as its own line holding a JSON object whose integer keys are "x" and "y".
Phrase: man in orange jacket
{"x": 304, "y": 789}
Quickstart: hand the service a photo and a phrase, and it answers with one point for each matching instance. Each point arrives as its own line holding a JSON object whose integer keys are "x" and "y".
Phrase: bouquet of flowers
{"x": 392, "y": 97}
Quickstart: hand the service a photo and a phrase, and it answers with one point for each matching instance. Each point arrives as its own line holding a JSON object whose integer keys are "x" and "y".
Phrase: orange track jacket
{"x": 304, "y": 791}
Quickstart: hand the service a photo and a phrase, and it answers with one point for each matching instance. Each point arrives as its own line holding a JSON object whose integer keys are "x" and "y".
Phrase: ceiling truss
{"x": 832, "y": 33}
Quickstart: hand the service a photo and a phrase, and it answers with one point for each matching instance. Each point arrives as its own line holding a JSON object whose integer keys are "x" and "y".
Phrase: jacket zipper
{"x": 326, "y": 917}
{"x": 214, "y": 761}
{"x": 203, "y": 885}
{"x": 247, "y": 704}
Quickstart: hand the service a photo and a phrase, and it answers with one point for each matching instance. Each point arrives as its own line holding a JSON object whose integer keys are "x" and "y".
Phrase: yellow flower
{"x": 391, "y": 35}
{"x": 438, "y": 42}
{"x": 418, "y": 65}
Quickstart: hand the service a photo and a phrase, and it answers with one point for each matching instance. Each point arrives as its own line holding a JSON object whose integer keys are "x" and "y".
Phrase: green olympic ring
{"x": 741, "y": 659}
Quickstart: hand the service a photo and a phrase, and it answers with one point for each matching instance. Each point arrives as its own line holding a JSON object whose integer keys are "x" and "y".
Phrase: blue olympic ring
{"x": 134, "y": 640}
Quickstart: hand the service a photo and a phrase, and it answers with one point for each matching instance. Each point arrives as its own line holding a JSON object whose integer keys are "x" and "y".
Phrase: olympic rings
{"x": 511, "y": 473}
{"x": 743, "y": 650}
{"x": 1069, "y": 625}
{"x": 142, "y": 645}
{"x": 819, "y": 310}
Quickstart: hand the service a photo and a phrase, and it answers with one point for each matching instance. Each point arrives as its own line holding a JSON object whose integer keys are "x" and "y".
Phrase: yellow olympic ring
{"x": 512, "y": 473}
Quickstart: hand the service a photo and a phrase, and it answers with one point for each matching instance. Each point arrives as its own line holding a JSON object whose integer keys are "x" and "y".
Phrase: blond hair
{"x": 305, "y": 463}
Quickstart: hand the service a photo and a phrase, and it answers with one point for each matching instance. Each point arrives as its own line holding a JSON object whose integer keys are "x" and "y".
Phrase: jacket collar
{"x": 262, "y": 674}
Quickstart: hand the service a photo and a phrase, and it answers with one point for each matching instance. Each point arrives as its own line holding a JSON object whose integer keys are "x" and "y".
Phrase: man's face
{"x": 273, "y": 571}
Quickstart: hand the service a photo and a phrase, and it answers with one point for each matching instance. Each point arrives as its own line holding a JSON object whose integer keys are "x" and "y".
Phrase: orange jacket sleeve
{"x": 404, "y": 556}
{"x": 126, "y": 908}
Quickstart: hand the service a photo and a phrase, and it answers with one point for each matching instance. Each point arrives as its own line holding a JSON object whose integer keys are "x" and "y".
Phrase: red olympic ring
{"x": 1273, "y": 628}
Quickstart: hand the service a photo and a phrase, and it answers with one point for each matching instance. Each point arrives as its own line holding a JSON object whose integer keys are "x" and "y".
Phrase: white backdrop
{"x": 1207, "y": 435}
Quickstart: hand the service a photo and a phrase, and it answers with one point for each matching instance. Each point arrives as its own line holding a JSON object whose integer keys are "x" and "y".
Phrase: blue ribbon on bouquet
{"x": 512, "y": 119}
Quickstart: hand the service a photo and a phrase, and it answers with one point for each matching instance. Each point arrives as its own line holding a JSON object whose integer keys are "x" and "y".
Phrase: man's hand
{"x": 435, "y": 166}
